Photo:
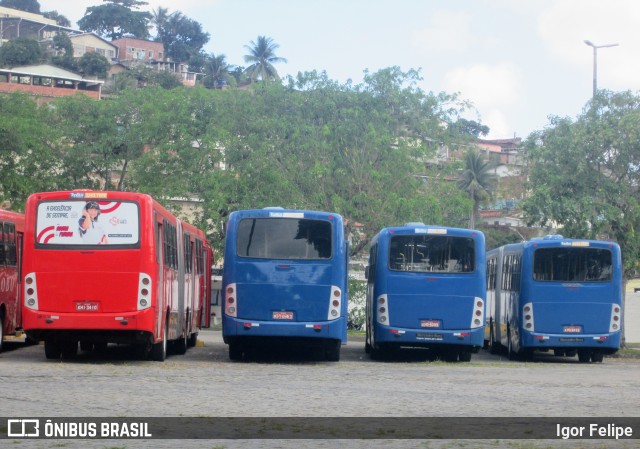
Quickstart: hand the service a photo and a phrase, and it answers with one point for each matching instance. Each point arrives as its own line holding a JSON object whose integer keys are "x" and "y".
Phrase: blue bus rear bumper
{"x": 429, "y": 337}
{"x": 598, "y": 341}
{"x": 238, "y": 328}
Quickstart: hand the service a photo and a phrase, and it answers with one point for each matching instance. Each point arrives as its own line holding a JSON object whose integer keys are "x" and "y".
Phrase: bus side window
{"x": 10, "y": 236}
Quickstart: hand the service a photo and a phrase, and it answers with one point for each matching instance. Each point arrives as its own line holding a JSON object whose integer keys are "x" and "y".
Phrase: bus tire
{"x": 235, "y": 351}
{"x": 584, "y": 356}
{"x": 180, "y": 345}
{"x": 52, "y": 349}
{"x": 511, "y": 354}
{"x": 69, "y": 349}
{"x": 597, "y": 357}
{"x": 193, "y": 339}
{"x": 86, "y": 346}
{"x": 367, "y": 340}
{"x": 332, "y": 352}
{"x": 464, "y": 356}
{"x": 494, "y": 346}
{"x": 159, "y": 350}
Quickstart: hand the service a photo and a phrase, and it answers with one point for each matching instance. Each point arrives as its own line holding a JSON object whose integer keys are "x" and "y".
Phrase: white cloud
{"x": 492, "y": 89}
{"x": 566, "y": 24}
{"x": 446, "y": 32}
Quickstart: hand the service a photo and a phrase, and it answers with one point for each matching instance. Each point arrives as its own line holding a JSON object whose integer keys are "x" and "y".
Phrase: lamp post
{"x": 595, "y": 62}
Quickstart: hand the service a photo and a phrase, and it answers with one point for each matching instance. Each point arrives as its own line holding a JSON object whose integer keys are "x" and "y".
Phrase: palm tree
{"x": 262, "y": 57}
{"x": 216, "y": 71}
{"x": 478, "y": 180}
{"x": 159, "y": 19}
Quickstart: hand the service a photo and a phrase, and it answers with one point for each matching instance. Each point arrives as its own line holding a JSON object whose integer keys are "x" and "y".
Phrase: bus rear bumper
{"x": 234, "y": 328}
{"x": 136, "y": 326}
{"x": 609, "y": 342}
{"x": 473, "y": 338}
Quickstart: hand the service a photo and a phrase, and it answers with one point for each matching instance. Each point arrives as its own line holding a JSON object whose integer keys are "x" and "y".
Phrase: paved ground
{"x": 205, "y": 383}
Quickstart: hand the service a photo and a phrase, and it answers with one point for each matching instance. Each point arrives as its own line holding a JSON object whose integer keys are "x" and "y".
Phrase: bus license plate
{"x": 572, "y": 329}
{"x": 86, "y": 307}
{"x": 422, "y": 336}
{"x": 282, "y": 315}
{"x": 430, "y": 324}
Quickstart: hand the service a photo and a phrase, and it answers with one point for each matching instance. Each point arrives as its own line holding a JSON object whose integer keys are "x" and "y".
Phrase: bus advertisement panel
{"x": 285, "y": 279}
{"x": 112, "y": 267}
{"x": 555, "y": 294}
{"x": 425, "y": 288}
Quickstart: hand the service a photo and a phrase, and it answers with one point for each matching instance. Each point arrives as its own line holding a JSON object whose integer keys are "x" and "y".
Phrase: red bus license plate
{"x": 572, "y": 329}
{"x": 282, "y": 315}
{"x": 430, "y": 324}
{"x": 86, "y": 307}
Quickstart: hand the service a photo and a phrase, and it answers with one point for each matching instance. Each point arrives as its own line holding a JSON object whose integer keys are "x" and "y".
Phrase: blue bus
{"x": 555, "y": 294}
{"x": 285, "y": 280}
{"x": 426, "y": 288}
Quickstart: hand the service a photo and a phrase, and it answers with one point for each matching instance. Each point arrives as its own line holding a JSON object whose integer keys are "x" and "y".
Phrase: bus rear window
{"x": 87, "y": 223}
{"x": 439, "y": 254}
{"x": 284, "y": 238}
{"x": 572, "y": 265}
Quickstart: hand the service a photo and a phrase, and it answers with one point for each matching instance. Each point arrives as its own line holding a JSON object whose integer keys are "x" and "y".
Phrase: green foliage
{"x": 181, "y": 36}
{"x": 20, "y": 51}
{"x": 116, "y": 18}
{"x": 59, "y": 18}
{"x": 143, "y": 76}
{"x": 22, "y": 5}
{"x": 94, "y": 64}
{"x": 29, "y": 148}
{"x": 262, "y": 56}
{"x": 585, "y": 174}
{"x": 62, "y": 43}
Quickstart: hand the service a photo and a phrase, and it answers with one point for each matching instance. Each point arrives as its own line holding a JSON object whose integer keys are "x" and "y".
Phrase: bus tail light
{"x": 335, "y": 301}
{"x": 230, "y": 301}
{"x": 527, "y": 317}
{"x": 144, "y": 291}
{"x": 477, "y": 318}
{"x": 382, "y": 307}
{"x": 616, "y": 318}
{"x": 30, "y": 291}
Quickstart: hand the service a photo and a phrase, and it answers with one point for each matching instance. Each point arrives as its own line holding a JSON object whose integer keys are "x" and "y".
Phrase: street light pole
{"x": 595, "y": 62}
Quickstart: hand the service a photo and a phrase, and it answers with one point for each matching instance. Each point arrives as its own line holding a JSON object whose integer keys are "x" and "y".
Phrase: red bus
{"x": 11, "y": 234}
{"x": 112, "y": 267}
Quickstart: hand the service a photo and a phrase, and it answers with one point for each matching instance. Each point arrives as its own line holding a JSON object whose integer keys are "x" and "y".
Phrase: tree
{"x": 216, "y": 71}
{"x": 29, "y": 150}
{"x": 477, "y": 180}
{"x": 94, "y": 64}
{"x": 181, "y": 36}
{"x": 59, "y": 18}
{"x": 117, "y": 18}
{"x": 470, "y": 127}
{"x": 22, "y": 5}
{"x": 262, "y": 57}
{"x": 585, "y": 174}
{"x": 62, "y": 44}
{"x": 20, "y": 51}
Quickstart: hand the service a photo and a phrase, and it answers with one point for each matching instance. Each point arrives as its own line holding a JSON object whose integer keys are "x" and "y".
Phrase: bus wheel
{"x": 584, "y": 356}
{"x": 367, "y": 340}
{"x": 193, "y": 339}
{"x": 597, "y": 357}
{"x": 159, "y": 350}
{"x": 235, "y": 351}
{"x": 52, "y": 349}
{"x": 464, "y": 356}
{"x": 69, "y": 349}
{"x": 510, "y": 352}
{"x": 332, "y": 352}
{"x": 180, "y": 345}
{"x": 494, "y": 347}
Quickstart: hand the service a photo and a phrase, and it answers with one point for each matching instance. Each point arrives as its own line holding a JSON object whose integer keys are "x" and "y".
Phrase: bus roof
{"x": 278, "y": 212}
{"x": 421, "y": 228}
{"x": 556, "y": 242}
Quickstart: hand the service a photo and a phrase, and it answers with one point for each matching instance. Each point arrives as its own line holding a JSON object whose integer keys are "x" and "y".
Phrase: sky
{"x": 518, "y": 62}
